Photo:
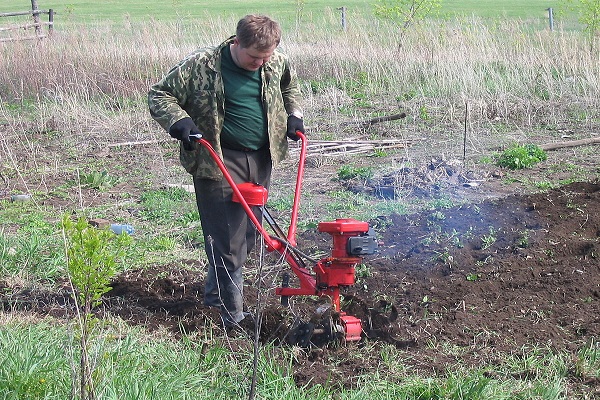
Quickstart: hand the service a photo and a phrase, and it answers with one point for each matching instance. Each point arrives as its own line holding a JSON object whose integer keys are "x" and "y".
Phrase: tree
{"x": 589, "y": 15}
{"x": 406, "y": 12}
{"x": 92, "y": 257}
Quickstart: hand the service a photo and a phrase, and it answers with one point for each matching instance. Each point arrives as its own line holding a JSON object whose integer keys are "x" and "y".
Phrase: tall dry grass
{"x": 94, "y": 78}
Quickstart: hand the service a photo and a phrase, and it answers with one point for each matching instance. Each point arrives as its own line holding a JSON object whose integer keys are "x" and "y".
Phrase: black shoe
{"x": 247, "y": 326}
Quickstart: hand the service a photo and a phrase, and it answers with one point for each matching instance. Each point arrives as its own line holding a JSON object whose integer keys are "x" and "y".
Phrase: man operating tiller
{"x": 242, "y": 96}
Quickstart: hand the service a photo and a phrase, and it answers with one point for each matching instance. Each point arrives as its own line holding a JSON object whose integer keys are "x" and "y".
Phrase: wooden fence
{"x": 21, "y": 31}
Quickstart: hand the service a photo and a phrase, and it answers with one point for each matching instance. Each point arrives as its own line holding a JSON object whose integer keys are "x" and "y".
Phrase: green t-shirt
{"x": 245, "y": 124}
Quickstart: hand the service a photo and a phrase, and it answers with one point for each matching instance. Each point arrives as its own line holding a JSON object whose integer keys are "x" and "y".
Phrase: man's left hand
{"x": 294, "y": 124}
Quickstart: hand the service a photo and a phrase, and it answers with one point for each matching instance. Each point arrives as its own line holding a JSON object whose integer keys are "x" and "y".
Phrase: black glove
{"x": 294, "y": 124}
{"x": 182, "y": 129}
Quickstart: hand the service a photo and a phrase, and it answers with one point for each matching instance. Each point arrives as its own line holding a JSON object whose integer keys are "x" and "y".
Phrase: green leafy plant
{"x": 589, "y": 15}
{"x": 379, "y": 153}
{"x": 473, "y": 277}
{"x": 488, "y": 240}
{"x": 362, "y": 271}
{"x": 91, "y": 256}
{"x": 523, "y": 240}
{"x": 98, "y": 180}
{"x": 521, "y": 156}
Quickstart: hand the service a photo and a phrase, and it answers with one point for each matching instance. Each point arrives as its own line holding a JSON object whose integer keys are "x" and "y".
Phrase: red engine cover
{"x": 344, "y": 226}
{"x": 253, "y": 193}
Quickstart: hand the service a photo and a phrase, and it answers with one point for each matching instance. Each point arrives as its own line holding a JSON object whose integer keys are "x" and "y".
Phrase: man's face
{"x": 250, "y": 58}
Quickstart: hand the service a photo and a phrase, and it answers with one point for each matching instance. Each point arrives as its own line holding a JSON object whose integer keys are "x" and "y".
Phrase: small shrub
{"x": 519, "y": 157}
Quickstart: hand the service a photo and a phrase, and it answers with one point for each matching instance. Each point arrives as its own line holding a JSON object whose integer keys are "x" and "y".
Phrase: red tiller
{"x": 352, "y": 239}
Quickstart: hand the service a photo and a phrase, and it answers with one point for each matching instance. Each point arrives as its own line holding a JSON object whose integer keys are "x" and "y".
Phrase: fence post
{"x": 344, "y": 24}
{"x": 551, "y": 18}
{"x": 36, "y": 18}
{"x": 50, "y": 21}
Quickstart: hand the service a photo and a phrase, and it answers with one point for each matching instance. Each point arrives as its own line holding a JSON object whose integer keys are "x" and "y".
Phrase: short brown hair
{"x": 258, "y": 31}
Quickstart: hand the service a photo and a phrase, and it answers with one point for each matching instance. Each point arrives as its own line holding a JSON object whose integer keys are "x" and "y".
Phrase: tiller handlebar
{"x": 352, "y": 239}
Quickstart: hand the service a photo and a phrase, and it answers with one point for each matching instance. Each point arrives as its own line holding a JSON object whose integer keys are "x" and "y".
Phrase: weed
{"x": 544, "y": 185}
{"x": 168, "y": 205}
{"x": 437, "y": 216}
{"x": 423, "y": 113}
{"x": 486, "y": 160}
{"x": 454, "y": 238}
{"x": 587, "y": 363}
{"x": 473, "y": 277}
{"x": 519, "y": 157}
{"x": 488, "y": 240}
{"x": 33, "y": 251}
{"x": 98, "y": 180}
{"x": 281, "y": 203}
{"x": 362, "y": 270}
{"x": 523, "y": 240}
{"x": 469, "y": 233}
{"x": 441, "y": 203}
{"x": 390, "y": 207}
{"x": 444, "y": 256}
{"x": 379, "y": 153}
{"x": 344, "y": 201}
{"x": 347, "y": 172}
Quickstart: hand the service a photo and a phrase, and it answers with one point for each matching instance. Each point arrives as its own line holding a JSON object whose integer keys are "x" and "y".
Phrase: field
{"x": 287, "y": 12}
{"x": 486, "y": 284}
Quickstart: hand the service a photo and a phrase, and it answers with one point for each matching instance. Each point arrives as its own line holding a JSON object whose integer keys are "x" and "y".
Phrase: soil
{"x": 504, "y": 269}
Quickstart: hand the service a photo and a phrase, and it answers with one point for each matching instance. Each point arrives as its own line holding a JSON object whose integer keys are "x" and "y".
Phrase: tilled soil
{"x": 490, "y": 277}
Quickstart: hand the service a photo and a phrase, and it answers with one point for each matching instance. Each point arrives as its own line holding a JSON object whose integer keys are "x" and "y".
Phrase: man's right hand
{"x": 182, "y": 129}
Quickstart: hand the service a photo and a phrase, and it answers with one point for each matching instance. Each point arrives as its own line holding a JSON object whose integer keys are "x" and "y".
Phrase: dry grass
{"x": 93, "y": 80}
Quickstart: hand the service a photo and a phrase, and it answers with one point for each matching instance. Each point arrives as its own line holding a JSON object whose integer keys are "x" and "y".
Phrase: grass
{"x": 133, "y": 365}
{"x": 288, "y": 10}
{"x": 29, "y": 244}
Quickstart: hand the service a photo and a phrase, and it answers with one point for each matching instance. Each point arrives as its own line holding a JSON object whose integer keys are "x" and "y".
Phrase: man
{"x": 243, "y": 97}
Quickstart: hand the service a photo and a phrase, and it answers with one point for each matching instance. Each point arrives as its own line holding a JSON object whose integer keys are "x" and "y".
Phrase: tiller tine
{"x": 352, "y": 239}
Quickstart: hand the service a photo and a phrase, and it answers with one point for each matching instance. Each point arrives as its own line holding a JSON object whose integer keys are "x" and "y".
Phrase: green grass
{"x": 499, "y": 9}
{"x": 30, "y": 246}
{"x": 287, "y": 11}
{"x": 169, "y": 206}
{"x": 132, "y": 365}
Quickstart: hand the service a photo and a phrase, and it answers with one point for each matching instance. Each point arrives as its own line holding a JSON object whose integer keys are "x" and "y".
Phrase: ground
{"x": 489, "y": 268}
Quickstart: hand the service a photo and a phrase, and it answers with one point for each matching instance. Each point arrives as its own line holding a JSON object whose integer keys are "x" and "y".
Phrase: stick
{"x": 138, "y": 142}
{"x": 369, "y": 122}
{"x": 465, "y": 133}
{"x": 572, "y": 143}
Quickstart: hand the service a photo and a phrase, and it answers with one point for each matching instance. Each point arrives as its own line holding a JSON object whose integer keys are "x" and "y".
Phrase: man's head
{"x": 258, "y": 31}
{"x": 256, "y": 38}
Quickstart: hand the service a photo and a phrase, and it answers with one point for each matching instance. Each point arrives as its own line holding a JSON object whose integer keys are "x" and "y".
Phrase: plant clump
{"x": 521, "y": 156}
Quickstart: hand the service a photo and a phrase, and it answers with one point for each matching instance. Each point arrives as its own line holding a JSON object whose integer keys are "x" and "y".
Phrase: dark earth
{"x": 502, "y": 274}
{"x": 491, "y": 276}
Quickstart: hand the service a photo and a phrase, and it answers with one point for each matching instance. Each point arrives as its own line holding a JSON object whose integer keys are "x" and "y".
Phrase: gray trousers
{"x": 229, "y": 235}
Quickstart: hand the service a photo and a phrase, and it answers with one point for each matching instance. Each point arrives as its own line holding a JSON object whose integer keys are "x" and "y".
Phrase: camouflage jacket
{"x": 194, "y": 88}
